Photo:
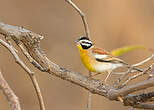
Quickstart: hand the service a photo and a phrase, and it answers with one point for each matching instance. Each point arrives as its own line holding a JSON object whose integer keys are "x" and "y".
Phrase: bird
{"x": 98, "y": 60}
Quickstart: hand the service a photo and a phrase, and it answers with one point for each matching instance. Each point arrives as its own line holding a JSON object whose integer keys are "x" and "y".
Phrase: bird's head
{"x": 84, "y": 43}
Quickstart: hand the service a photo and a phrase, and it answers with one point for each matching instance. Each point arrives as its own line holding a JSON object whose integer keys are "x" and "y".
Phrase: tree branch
{"x": 132, "y": 88}
{"x": 31, "y": 40}
{"x": 138, "y": 101}
{"x": 10, "y": 95}
{"x": 144, "y": 97}
{"x": 30, "y": 73}
{"x": 82, "y": 17}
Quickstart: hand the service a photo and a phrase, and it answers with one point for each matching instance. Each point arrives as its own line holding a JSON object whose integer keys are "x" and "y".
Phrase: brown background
{"x": 113, "y": 23}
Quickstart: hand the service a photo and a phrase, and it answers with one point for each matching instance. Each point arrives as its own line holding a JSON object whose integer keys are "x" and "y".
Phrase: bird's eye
{"x": 84, "y": 42}
{"x": 85, "y": 45}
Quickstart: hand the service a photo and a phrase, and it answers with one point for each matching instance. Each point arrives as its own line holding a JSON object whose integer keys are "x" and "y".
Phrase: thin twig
{"x": 152, "y": 70}
{"x": 134, "y": 77}
{"x": 10, "y": 95}
{"x": 124, "y": 74}
{"x": 38, "y": 91}
{"x": 30, "y": 73}
{"x": 121, "y": 77}
{"x": 132, "y": 71}
{"x": 82, "y": 16}
{"x": 144, "y": 61}
{"x": 88, "y": 107}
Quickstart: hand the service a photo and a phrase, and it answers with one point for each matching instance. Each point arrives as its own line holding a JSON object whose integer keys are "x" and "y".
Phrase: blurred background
{"x": 113, "y": 24}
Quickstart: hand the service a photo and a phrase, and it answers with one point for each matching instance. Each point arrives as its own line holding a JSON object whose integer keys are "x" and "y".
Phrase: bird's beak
{"x": 76, "y": 41}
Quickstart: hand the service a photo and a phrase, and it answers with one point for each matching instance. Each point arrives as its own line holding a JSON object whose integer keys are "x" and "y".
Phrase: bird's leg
{"x": 109, "y": 72}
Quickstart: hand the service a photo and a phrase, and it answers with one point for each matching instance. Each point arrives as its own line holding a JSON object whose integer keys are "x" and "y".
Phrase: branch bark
{"x": 138, "y": 101}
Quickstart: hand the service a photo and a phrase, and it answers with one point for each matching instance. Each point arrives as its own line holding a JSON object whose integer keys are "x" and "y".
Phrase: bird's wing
{"x": 101, "y": 54}
{"x": 104, "y": 56}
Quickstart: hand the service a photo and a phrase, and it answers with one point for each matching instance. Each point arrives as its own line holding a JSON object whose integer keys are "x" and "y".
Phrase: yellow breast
{"x": 86, "y": 60}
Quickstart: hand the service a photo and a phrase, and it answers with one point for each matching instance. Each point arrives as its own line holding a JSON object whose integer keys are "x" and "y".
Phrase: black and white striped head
{"x": 84, "y": 42}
